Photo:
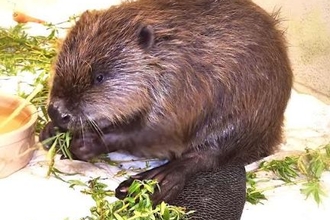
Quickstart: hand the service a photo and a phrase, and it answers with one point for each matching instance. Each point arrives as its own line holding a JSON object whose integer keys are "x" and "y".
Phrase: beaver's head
{"x": 103, "y": 73}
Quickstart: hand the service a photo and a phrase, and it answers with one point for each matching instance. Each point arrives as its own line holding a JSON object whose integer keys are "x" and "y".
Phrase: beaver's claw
{"x": 170, "y": 178}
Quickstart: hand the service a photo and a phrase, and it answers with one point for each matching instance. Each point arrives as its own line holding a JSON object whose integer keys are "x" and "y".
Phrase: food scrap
{"x": 20, "y": 17}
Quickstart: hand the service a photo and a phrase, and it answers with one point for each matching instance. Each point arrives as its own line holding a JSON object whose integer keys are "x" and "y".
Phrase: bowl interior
{"x": 18, "y": 121}
{"x": 24, "y": 119}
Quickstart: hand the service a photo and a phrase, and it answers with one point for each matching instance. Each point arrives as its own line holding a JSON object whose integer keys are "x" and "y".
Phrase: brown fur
{"x": 208, "y": 83}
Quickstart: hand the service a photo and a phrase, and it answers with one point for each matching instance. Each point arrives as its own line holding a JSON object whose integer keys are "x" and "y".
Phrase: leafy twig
{"x": 305, "y": 168}
{"x": 137, "y": 205}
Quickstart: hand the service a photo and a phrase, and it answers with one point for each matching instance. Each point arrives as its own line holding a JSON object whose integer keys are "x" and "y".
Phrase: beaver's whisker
{"x": 95, "y": 127}
{"x": 82, "y": 129}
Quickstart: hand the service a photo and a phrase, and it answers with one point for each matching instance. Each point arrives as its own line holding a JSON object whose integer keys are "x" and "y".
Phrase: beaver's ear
{"x": 85, "y": 15}
{"x": 146, "y": 36}
{"x": 88, "y": 16}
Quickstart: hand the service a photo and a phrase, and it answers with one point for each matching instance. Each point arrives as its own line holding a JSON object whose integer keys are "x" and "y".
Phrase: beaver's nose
{"x": 59, "y": 114}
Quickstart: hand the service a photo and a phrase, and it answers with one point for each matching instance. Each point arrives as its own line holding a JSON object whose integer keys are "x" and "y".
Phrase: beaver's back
{"x": 232, "y": 54}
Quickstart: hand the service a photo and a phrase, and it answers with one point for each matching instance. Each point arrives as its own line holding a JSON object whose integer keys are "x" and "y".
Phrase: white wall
{"x": 308, "y": 33}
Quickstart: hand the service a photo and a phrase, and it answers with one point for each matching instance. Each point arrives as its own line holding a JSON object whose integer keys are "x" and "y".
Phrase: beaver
{"x": 200, "y": 83}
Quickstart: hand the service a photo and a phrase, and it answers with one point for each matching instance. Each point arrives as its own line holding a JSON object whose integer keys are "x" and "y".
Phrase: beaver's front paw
{"x": 87, "y": 146}
{"x": 46, "y": 135}
{"x": 171, "y": 180}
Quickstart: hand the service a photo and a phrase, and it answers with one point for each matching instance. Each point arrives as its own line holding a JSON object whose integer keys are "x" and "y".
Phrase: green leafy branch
{"x": 306, "y": 169}
{"x": 137, "y": 204}
{"x": 60, "y": 144}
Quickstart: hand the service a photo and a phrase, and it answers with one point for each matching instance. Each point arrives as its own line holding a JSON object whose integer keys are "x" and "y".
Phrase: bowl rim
{"x": 29, "y": 106}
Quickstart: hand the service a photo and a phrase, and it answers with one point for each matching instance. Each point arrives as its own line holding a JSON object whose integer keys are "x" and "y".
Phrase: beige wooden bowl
{"x": 17, "y": 138}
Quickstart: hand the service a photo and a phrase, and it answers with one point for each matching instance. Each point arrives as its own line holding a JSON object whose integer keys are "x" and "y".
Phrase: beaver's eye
{"x": 99, "y": 78}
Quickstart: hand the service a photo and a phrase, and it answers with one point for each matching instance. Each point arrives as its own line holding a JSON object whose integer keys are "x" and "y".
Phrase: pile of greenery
{"x": 24, "y": 53}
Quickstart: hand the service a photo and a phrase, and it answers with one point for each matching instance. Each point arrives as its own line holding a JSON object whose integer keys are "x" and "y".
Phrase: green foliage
{"x": 137, "y": 205}
{"x": 60, "y": 143}
{"x": 311, "y": 165}
{"x": 253, "y": 195}
{"x": 306, "y": 168}
{"x": 21, "y": 52}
